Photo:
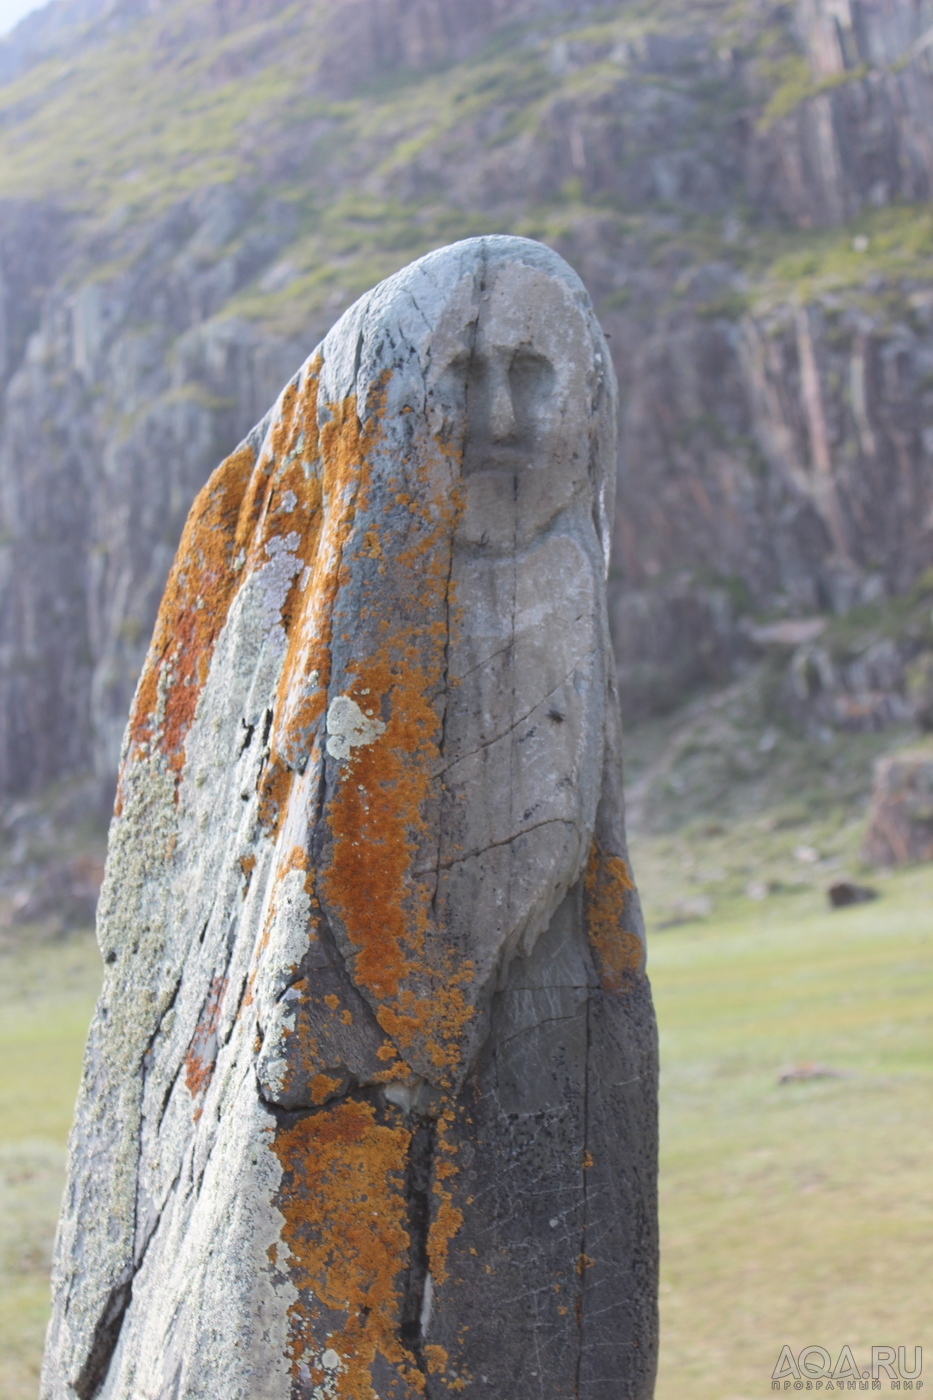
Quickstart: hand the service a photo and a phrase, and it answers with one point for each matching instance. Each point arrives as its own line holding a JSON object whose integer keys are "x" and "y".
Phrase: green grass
{"x": 795, "y": 1213}
{"x": 50, "y": 991}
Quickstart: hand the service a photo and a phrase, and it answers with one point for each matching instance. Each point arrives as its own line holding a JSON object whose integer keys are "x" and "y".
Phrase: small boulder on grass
{"x": 920, "y": 689}
{"x": 806, "y": 1070}
{"x": 900, "y": 823}
{"x": 846, "y": 892}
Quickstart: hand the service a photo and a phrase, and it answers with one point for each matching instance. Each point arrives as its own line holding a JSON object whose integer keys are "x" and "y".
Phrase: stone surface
{"x": 900, "y": 824}
{"x": 368, "y": 1106}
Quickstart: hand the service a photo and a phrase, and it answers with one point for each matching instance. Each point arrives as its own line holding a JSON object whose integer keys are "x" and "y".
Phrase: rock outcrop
{"x": 92, "y": 515}
{"x": 900, "y": 823}
{"x": 864, "y": 137}
{"x": 777, "y": 427}
{"x": 368, "y": 1100}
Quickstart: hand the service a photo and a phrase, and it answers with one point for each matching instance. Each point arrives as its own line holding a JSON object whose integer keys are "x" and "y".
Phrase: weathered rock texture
{"x": 865, "y": 137}
{"x": 900, "y": 826}
{"x": 368, "y": 1101}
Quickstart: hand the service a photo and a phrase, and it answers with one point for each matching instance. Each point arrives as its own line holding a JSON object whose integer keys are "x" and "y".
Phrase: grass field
{"x": 48, "y": 995}
{"x": 801, "y": 1212}
{"x": 798, "y": 1212}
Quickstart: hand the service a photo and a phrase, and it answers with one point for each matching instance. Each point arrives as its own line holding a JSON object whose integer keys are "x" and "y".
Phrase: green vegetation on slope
{"x": 168, "y": 106}
{"x": 732, "y": 806}
{"x": 126, "y": 128}
{"x": 369, "y": 179}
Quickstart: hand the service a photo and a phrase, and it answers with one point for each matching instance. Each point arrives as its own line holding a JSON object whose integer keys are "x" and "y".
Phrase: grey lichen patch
{"x": 133, "y": 924}
{"x": 349, "y": 728}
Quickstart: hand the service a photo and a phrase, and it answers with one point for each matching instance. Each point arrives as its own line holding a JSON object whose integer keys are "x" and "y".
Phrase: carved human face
{"x": 518, "y": 386}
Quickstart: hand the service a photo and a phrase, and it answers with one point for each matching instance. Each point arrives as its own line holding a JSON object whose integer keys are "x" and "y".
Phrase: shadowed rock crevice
{"x": 417, "y": 1299}
{"x": 103, "y": 1342}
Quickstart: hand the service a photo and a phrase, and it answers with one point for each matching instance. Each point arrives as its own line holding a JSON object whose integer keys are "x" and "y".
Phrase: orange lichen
{"x": 287, "y": 426}
{"x": 446, "y": 1218}
{"x": 274, "y": 792}
{"x": 292, "y": 505}
{"x": 341, "y": 453}
{"x": 230, "y": 532}
{"x": 435, "y": 1359}
{"x": 381, "y": 816}
{"x": 323, "y": 1086}
{"x": 194, "y": 608}
{"x": 202, "y": 1052}
{"x": 297, "y": 859}
{"x": 343, "y": 1201}
{"x": 607, "y": 893}
{"x": 377, "y": 820}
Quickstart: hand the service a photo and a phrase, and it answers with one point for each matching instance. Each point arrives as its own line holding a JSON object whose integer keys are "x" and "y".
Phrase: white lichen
{"x": 349, "y": 728}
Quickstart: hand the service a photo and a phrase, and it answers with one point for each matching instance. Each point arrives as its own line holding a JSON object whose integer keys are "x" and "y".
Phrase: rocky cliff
{"x": 191, "y": 192}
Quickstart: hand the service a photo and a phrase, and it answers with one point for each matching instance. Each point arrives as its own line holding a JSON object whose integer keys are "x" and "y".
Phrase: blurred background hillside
{"x": 192, "y": 191}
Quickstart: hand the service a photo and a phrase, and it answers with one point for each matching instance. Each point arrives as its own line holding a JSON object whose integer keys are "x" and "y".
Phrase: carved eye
{"x": 531, "y": 383}
{"x": 449, "y": 394}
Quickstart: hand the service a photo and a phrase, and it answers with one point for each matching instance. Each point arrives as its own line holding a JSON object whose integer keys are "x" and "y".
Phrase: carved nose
{"x": 501, "y": 411}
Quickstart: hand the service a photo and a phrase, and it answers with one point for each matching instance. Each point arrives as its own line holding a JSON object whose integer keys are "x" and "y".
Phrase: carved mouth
{"x": 501, "y": 460}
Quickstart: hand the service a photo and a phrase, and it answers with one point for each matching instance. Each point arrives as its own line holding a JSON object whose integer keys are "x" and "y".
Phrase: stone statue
{"x": 368, "y": 1106}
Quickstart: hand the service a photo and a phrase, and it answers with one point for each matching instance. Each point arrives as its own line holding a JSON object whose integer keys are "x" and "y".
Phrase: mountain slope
{"x": 192, "y": 191}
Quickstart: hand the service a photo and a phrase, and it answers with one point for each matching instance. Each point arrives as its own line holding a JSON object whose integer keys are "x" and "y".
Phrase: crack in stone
{"x": 416, "y": 1300}
{"x": 103, "y": 1344}
{"x": 93, "y": 1373}
{"x": 167, "y": 1096}
{"x": 520, "y": 720}
{"x": 446, "y": 690}
{"x": 493, "y": 656}
{"x": 585, "y": 1211}
{"x": 493, "y": 845}
{"x": 547, "y": 1021}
